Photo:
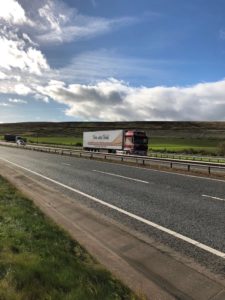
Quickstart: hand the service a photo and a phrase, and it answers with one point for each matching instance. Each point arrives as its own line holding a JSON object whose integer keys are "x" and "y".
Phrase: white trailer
{"x": 116, "y": 141}
{"x": 110, "y": 140}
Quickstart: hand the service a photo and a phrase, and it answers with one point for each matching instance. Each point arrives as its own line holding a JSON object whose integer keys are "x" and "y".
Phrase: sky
{"x": 112, "y": 60}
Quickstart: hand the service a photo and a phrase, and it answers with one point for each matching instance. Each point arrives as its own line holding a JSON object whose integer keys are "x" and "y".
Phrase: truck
{"x": 116, "y": 141}
{"x": 14, "y": 138}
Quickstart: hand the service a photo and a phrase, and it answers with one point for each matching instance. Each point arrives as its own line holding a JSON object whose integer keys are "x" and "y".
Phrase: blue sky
{"x": 112, "y": 60}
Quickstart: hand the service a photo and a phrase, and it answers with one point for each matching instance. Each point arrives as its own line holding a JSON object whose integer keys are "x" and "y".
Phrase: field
{"x": 156, "y": 144}
{"x": 161, "y": 144}
{"x": 203, "y": 130}
{"x": 179, "y": 145}
{"x": 175, "y": 145}
{"x": 40, "y": 261}
{"x": 177, "y": 137}
{"x": 58, "y": 140}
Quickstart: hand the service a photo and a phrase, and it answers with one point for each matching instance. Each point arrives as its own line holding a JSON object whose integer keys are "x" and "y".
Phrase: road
{"x": 186, "y": 213}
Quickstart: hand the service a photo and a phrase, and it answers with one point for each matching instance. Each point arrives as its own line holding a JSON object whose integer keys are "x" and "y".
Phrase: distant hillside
{"x": 154, "y": 129}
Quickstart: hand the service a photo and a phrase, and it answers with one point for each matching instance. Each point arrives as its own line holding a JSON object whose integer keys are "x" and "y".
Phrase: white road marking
{"x": 212, "y": 197}
{"x": 160, "y": 171}
{"x": 131, "y": 215}
{"x": 66, "y": 164}
{"x": 185, "y": 175}
{"x": 116, "y": 175}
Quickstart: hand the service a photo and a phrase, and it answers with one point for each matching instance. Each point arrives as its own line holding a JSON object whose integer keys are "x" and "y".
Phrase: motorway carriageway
{"x": 186, "y": 213}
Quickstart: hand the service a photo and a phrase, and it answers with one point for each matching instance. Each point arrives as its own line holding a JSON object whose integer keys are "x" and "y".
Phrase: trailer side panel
{"x": 109, "y": 139}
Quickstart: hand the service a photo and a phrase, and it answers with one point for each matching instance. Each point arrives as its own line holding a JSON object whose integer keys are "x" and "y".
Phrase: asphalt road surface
{"x": 183, "y": 212}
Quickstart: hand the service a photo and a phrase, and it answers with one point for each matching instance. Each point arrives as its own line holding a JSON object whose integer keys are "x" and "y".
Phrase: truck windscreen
{"x": 140, "y": 141}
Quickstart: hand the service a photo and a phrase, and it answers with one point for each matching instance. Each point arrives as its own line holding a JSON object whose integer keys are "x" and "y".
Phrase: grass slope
{"x": 153, "y": 129}
{"x": 40, "y": 261}
{"x": 177, "y": 137}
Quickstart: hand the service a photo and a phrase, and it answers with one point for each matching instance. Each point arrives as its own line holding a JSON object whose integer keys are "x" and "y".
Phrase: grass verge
{"x": 38, "y": 260}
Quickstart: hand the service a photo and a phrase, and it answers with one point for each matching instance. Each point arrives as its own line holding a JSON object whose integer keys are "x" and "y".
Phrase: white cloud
{"x": 52, "y": 17}
{"x": 17, "y": 101}
{"x": 15, "y": 54}
{"x": 41, "y": 97}
{"x": 2, "y": 75}
{"x": 4, "y": 104}
{"x": 21, "y": 89}
{"x": 12, "y": 12}
{"x": 82, "y": 28}
{"x": 58, "y": 23}
{"x": 93, "y": 66}
{"x": 21, "y": 64}
{"x": 24, "y": 71}
{"x": 28, "y": 39}
{"x": 114, "y": 100}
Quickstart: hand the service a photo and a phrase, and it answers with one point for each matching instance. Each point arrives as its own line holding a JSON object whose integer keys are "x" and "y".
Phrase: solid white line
{"x": 159, "y": 171}
{"x": 212, "y": 197}
{"x": 159, "y": 227}
{"x": 168, "y": 172}
{"x": 116, "y": 175}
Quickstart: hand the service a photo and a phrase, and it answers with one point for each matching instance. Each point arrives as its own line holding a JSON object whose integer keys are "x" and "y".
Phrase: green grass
{"x": 57, "y": 140}
{"x": 40, "y": 261}
{"x": 70, "y": 141}
{"x": 162, "y": 144}
{"x": 184, "y": 145}
{"x": 156, "y": 144}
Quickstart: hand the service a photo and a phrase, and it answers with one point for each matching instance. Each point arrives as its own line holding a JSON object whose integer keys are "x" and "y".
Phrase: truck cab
{"x": 136, "y": 142}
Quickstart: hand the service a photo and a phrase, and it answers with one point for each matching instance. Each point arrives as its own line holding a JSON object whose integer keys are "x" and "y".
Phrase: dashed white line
{"x": 160, "y": 171}
{"x": 214, "y": 198}
{"x": 116, "y": 175}
{"x": 122, "y": 211}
